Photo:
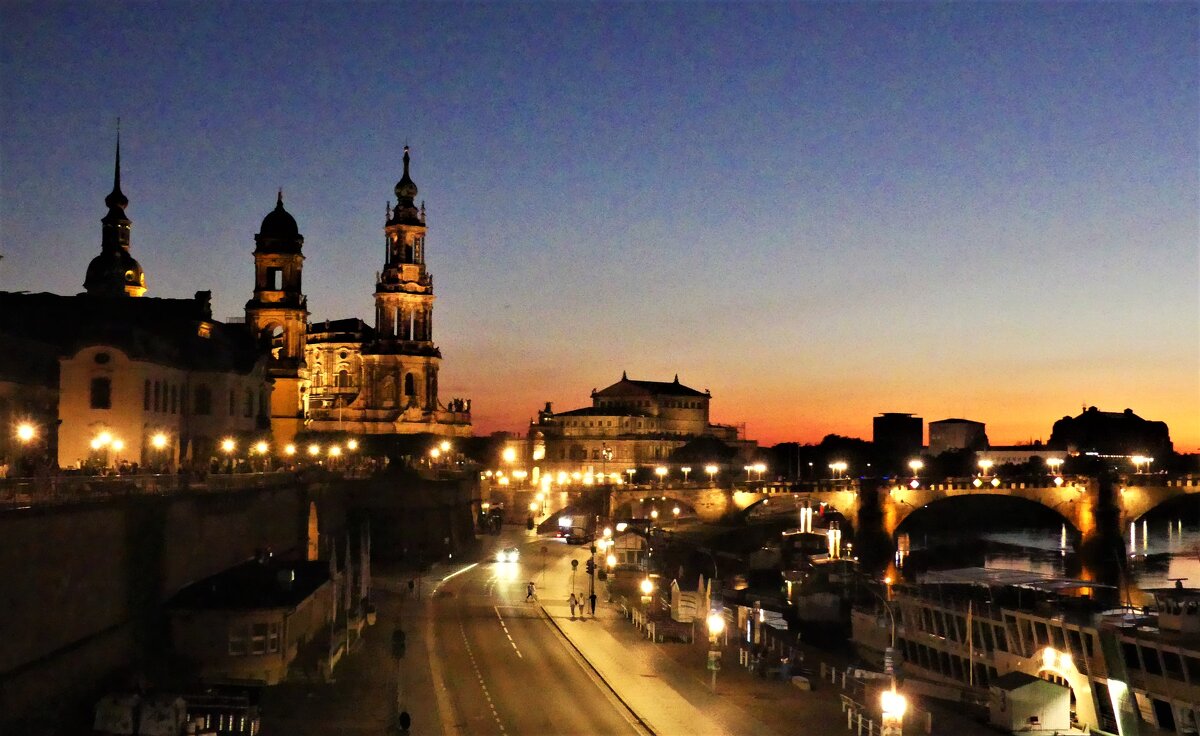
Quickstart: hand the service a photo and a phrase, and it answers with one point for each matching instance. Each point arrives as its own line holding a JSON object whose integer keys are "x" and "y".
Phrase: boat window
{"x": 1130, "y": 652}
{"x": 1172, "y": 665}
{"x": 1150, "y": 660}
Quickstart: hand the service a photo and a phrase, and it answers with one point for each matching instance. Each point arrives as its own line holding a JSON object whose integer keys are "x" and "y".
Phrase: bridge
{"x": 1076, "y": 499}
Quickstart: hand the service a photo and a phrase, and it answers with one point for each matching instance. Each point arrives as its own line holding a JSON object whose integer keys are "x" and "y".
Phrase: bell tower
{"x": 278, "y": 315}
{"x": 404, "y": 298}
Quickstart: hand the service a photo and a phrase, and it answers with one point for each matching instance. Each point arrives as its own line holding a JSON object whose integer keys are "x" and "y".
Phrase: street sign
{"x": 574, "y": 564}
{"x": 714, "y": 660}
{"x": 889, "y": 661}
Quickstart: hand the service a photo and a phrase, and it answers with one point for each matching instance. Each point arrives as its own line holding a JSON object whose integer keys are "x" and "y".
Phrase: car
{"x": 508, "y": 554}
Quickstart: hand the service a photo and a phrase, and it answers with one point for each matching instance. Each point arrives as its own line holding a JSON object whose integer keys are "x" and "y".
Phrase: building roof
{"x": 254, "y": 584}
{"x": 352, "y": 329}
{"x": 164, "y": 331}
{"x": 627, "y": 386}
{"x": 602, "y": 411}
{"x": 955, "y": 421}
{"x": 279, "y": 228}
{"x": 1016, "y": 680}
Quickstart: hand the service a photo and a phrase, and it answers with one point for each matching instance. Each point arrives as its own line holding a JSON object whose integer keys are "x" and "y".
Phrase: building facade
{"x": 384, "y": 380}
{"x": 956, "y": 434}
{"x": 629, "y": 424}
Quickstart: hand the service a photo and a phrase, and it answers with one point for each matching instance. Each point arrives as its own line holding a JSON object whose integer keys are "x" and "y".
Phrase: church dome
{"x": 115, "y": 273}
{"x": 279, "y": 223}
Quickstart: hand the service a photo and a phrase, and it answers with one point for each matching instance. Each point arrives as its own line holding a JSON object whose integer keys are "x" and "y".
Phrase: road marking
{"x": 479, "y": 674}
{"x": 506, "y": 632}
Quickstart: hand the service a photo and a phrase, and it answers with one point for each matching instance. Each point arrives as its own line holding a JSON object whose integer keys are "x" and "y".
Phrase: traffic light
{"x": 591, "y": 567}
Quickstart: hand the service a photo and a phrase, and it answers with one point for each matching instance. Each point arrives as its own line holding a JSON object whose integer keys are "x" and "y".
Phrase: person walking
{"x": 529, "y": 591}
{"x": 574, "y": 603}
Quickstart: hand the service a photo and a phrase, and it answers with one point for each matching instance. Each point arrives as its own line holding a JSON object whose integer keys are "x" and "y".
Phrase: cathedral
{"x": 345, "y": 375}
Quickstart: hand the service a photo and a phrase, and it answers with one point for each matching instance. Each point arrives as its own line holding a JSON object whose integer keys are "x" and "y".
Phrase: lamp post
{"x": 631, "y": 472}
{"x": 26, "y": 433}
{"x": 1055, "y": 464}
{"x": 1140, "y": 461}
{"x": 894, "y": 705}
{"x": 986, "y": 466}
{"x": 759, "y": 468}
{"x": 661, "y": 472}
{"x": 712, "y": 472}
{"x": 716, "y": 624}
{"x": 839, "y": 468}
{"x": 227, "y": 447}
{"x": 685, "y": 470}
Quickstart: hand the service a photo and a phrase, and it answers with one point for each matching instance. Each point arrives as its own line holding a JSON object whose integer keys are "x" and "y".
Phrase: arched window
{"x": 248, "y": 404}
{"x": 101, "y": 393}
{"x": 202, "y": 405}
{"x": 410, "y": 385}
{"x": 343, "y": 378}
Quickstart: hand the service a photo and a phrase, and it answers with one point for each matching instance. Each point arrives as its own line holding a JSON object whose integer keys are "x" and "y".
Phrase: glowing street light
{"x": 915, "y": 466}
{"x": 228, "y": 445}
{"x": 118, "y": 445}
{"x": 894, "y": 705}
{"x": 986, "y": 466}
{"x": 261, "y": 447}
{"x": 675, "y": 511}
{"x": 611, "y": 560}
{"x": 647, "y": 586}
{"x": 1055, "y": 464}
{"x": 1140, "y": 461}
{"x": 653, "y": 513}
{"x": 631, "y": 472}
{"x": 435, "y": 453}
{"x": 509, "y": 455}
{"x": 158, "y": 441}
{"x": 759, "y": 468}
{"x": 351, "y": 445}
{"x": 26, "y": 432}
{"x": 289, "y": 450}
{"x": 533, "y": 506}
{"x": 711, "y": 470}
{"x": 314, "y": 450}
{"x": 839, "y": 467}
{"x": 685, "y": 472}
{"x": 104, "y": 438}
{"x": 335, "y": 451}
{"x": 444, "y": 446}
{"x": 661, "y": 472}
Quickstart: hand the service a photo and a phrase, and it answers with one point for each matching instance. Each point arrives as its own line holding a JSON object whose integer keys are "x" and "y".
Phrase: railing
{"x": 66, "y": 489}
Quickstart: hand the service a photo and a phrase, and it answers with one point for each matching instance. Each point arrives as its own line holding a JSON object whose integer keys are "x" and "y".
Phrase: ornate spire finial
{"x": 279, "y": 199}
{"x": 422, "y": 210}
{"x": 676, "y": 378}
{"x": 116, "y": 198}
{"x": 624, "y": 377}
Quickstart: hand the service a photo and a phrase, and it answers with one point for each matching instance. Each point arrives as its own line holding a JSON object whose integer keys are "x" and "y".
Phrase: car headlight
{"x": 500, "y": 557}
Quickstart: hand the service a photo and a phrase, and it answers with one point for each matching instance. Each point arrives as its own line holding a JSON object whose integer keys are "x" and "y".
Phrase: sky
{"x": 817, "y": 211}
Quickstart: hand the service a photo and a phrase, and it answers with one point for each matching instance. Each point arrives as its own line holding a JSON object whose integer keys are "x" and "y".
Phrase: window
{"x": 1150, "y": 660}
{"x": 410, "y": 385}
{"x": 1130, "y": 652}
{"x": 146, "y": 396}
{"x": 238, "y": 640}
{"x": 202, "y": 405}
{"x": 274, "y": 279}
{"x": 1172, "y": 665}
{"x": 174, "y": 399}
{"x": 343, "y": 378}
{"x": 248, "y": 404}
{"x": 232, "y": 403}
{"x": 158, "y": 396}
{"x": 258, "y": 639}
{"x": 101, "y": 393}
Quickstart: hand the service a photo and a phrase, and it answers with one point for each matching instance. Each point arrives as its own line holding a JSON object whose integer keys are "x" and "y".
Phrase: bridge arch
{"x": 847, "y": 517}
{"x": 1075, "y": 503}
{"x": 899, "y": 517}
{"x": 1136, "y": 501}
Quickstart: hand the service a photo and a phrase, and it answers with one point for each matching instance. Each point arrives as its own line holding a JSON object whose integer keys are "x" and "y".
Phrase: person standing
{"x": 574, "y": 602}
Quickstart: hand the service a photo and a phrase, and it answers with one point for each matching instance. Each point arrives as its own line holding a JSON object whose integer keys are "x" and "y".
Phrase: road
{"x": 505, "y": 668}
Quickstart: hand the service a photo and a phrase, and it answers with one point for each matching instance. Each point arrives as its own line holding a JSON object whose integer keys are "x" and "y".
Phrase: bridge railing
{"x": 65, "y": 489}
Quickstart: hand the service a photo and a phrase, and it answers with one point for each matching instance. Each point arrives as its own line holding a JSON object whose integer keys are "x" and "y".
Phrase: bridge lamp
{"x": 104, "y": 438}
{"x": 685, "y": 472}
{"x": 314, "y": 450}
{"x": 986, "y": 466}
{"x": 661, "y": 472}
{"x": 520, "y": 474}
{"x": 352, "y": 445}
{"x": 711, "y": 470}
{"x": 289, "y": 450}
{"x": 631, "y": 471}
{"x": 335, "y": 451}
{"x": 444, "y": 446}
{"x": 1055, "y": 464}
{"x": 916, "y": 466}
{"x": 26, "y": 432}
{"x": 759, "y": 468}
{"x": 158, "y": 441}
{"x": 577, "y": 476}
{"x": 675, "y": 511}
{"x": 747, "y": 468}
{"x": 118, "y": 445}
{"x": 261, "y": 447}
{"x": 228, "y": 445}
{"x": 503, "y": 480}
{"x": 1140, "y": 461}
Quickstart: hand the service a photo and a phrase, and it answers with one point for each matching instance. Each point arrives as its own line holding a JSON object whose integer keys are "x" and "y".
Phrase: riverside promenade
{"x": 668, "y": 688}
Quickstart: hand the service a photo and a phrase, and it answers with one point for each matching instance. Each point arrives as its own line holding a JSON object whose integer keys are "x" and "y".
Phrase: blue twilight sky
{"x": 819, "y": 211}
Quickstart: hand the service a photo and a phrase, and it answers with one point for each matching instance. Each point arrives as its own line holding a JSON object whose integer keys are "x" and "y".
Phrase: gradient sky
{"x": 817, "y": 211}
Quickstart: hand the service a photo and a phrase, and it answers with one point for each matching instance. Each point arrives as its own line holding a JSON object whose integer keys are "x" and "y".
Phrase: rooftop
{"x": 254, "y": 584}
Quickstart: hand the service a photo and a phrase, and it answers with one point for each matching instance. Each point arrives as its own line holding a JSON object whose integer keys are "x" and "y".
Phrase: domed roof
{"x": 279, "y": 223}
{"x": 406, "y": 188}
{"x": 115, "y": 273}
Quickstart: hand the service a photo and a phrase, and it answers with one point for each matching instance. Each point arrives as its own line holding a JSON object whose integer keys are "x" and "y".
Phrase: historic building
{"x": 122, "y": 377}
{"x": 629, "y": 424}
{"x": 278, "y": 314}
{"x": 384, "y": 380}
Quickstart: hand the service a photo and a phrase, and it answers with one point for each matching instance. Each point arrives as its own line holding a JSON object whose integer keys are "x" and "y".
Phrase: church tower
{"x": 404, "y": 305}
{"x": 115, "y": 272}
{"x": 278, "y": 314}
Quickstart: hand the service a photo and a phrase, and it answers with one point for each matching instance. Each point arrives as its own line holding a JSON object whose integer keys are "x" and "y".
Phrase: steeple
{"x": 116, "y": 199}
{"x": 406, "y": 212}
{"x": 115, "y": 272}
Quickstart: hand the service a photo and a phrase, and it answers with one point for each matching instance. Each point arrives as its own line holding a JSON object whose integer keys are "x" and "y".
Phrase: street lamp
{"x": 759, "y": 468}
{"x": 654, "y": 514}
{"x": 335, "y": 451}
{"x": 712, "y": 471}
{"x": 894, "y": 704}
{"x": 685, "y": 471}
{"x": 986, "y": 466}
{"x": 716, "y": 624}
{"x": 661, "y": 472}
{"x": 227, "y": 447}
{"x": 631, "y": 472}
{"x": 509, "y": 455}
{"x": 314, "y": 450}
{"x": 839, "y": 467}
{"x": 1055, "y": 464}
{"x": 289, "y": 450}
{"x": 26, "y": 432}
{"x": 444, "y": 446}
{"x": 747, "y": 468}
{"x": 675, "y": 511}
{"x": 1141, "y": 460}
{"x": 435, "y": 453}
{"x": 158, "y": 441}
{"x": 915, "y": 466}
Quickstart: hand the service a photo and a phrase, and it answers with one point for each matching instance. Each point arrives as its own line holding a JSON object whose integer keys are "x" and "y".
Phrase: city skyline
{"x": 988, "y": 225}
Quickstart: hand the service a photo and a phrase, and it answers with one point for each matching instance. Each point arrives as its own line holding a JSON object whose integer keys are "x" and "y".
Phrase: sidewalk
{"x": 667, "y": 685}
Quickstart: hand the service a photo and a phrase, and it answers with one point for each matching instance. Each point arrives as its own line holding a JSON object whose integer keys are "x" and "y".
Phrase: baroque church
{"x": 345, "y": 375}
{"x": 161, "y": 382}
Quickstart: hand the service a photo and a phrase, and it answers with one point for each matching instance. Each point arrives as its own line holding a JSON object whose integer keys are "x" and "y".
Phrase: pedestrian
{"x": 529, "y": 591}
{"x": 574, "y": 602}
{"x": 592, "y": 603}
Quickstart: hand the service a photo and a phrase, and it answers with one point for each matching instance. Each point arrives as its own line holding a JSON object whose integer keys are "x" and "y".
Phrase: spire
{"x": 279, "y": 199}
{"x": 676, "y": 378}
{"x": 116, "y": 198}
{"x": 624, "y": 377}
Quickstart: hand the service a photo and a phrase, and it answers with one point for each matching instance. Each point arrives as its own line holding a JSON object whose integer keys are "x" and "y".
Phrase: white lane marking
{"x": 479, "y": 674}
{"x": 460, "y": 572}
{"x": 506, "y": 632}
